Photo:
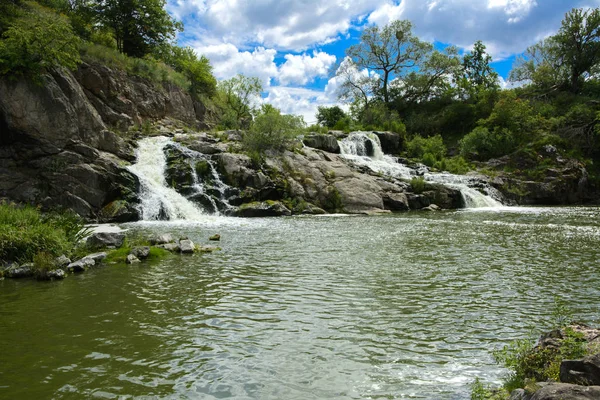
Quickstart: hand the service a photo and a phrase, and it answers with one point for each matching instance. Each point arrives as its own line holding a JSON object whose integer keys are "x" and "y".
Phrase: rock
{"x": 431, "y": 207}
{"x": 263, "y": 209}
{"x": 57, "y": 274}
{"x": 208, "y": 249}
{"x": 119, "y": 211}
{"x": 81, "y": 265}
{"x": 322, "y": 142}
{"x": 187, "y": 246}
{"x": 395, "y": 201}
{"x": 566, "y": 391}
{"x": 62, "y": 261}
{"x": 17, "y": 272}
{"x": 519, "y": 394}
{"x": 172, "y": 247}
{"x": 391, "y": 143}
{"x": 141, "y": 252}
{"x": 417, "y": 201}
{"x": 105, "y": 240}
{"x": 97, "y": 257}
{"x": 131, "y": 259}
{"x": 162, "y": 239}
{"x": 215, "y": 237}
{"x": 581, "y": 372}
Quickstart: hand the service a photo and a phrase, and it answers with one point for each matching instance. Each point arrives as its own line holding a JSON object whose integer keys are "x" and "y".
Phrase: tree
{"x": 391, "y": 51}
{"x": 477, "y": 71}
{"x": 138, "y": 25}
{"x": 329, "y": 116}
{"x": 40, "y": 39}
{"x": 578, "y": 44}
{"x": 197, "y": 69}
{"x": 272, "y": 130}
{"x": 237, "y": 96}
{"x": 540, "y": 66}
{"x": 357, "y": 87}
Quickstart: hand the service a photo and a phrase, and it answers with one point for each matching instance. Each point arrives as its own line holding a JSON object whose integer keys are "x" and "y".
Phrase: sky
{"x": 294, "y": 46}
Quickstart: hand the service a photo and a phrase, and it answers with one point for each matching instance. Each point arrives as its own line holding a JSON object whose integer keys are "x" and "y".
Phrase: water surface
{"x": 348, "y": 307}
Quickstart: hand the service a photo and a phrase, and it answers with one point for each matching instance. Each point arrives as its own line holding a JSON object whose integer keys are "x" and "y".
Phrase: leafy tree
{"x": 540, "y": 66}
{"x": 356, "y": 87}
{"x": 391, "y": 51}
{"x": 578, "y": 44}
{"x": 40, "y": 39}
{"x": 272, "y": 130}
{"x": 237, "y": 96}
{"x": 329, "y": 116}
{"x": 197, "y": 69}
{"x": 138, "y": 25}
{"x": 478, "y": 75}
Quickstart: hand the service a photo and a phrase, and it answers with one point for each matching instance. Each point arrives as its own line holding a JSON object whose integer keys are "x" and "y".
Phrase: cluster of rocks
{"x": 579, "y": 379}
{"x": 106, "y": 241}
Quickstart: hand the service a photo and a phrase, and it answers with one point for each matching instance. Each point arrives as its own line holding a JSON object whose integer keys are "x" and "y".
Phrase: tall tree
{"x": 477, "y": 69}
{"x": 578, "y": 44}
{"x": 356, "y": 86}
{"x": 238, "y": 96}
{"x": 138, "y": 25}
{"x": 391, "y": 51}
{"x": 329, "y": 116}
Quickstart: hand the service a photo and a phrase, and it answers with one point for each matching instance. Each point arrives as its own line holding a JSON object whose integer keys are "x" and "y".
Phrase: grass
{"x": 418, "y": 184}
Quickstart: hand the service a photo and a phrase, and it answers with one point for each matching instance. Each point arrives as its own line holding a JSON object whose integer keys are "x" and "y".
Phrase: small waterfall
{"x": 364, "y": 149}
{"x": 158, "y": 201}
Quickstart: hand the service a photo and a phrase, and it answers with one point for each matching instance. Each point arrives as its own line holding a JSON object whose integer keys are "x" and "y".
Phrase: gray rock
{"x": 162, "y": 239}
{"x": 105, "y": 240}
{"x": 62, "y": 261}
{"x": 263, "y": 209}
{"x": 391, "y": 143}
{"x": 56, "y": 274}
{"x": 131, "y": 259}
{"x": 23, "y": 271}
{"x": 519, "y": 394}
{"x": 215, "y": 237}
{"x": 141, "y": 252}
{"x": 97, "y": 257}
{"x": 431, "y": 207}
{"x": 172, "y": 247}
{"x": 566, "y": 391}
{"x": 322, "y": 142}
{"x": 81, "y": 265}
{"x": 187, "y": 246}
{"x": 581, "y": 372}
{"x": 208, "y": 249}
{"x": 395, "y": 201}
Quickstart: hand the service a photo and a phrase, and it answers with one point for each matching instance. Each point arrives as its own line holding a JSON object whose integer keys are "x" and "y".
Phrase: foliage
{"x": 43, "y": 263}
{"x": 137, "y": 25}
{"x": 418, "y": 184}
{"x": 477, "y": 70}
{"x": 391, "y": 50}
{"x": 479, "y": 391}
{"x": 237, "y": 98}
{"x": 70, "y": 223}
{"x": 24, "y": 233}
{"x": 419, "y": 147}
{"x": 271, "y": 130}
{"x": 455, "y": 165}
{"x": 330, "y": 116}
{"x": 36, "y": 41}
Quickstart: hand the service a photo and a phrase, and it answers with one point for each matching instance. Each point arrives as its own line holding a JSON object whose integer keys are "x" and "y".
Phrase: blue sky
{"x": 293, "y": 45}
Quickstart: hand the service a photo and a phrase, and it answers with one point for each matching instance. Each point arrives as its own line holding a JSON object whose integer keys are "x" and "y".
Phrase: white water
{"x": 356, "y": 148}
{"x": 158, "y": 201}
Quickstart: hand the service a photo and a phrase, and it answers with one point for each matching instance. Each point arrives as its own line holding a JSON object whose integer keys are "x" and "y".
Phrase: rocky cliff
{"x": 58, "y": 146}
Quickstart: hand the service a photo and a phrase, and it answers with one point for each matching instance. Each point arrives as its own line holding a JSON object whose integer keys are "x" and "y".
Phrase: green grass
{"x": 119, "y": 255}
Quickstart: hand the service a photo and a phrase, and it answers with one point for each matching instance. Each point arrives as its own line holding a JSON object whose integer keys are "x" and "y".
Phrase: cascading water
{"x": 364, "y": 149}
{"x": 158, "y": 201}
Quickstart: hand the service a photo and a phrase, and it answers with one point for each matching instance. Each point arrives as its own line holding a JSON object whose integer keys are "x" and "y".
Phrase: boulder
{"x": 162, "y": 239}
{"x": 97, "y": 257}
{"x": 17, "y": 272}
{"x": 187, "y": 246}
{"x": 172, "y": 247}
{"x": 131, "y": 259}
{"x": 140, "y": 252}
{"x": 62, "y": 261}
{"x": 566, "y": 391}
{"x": 395, "y": 201}
{"x": 55, "y": 274}
{"x": 81, "y": 265}
{"x": 326, "y": 143}
{"x": 431, "y": 207}
{"x": 391, "y": 143}
{"x": 215, "y": 237}
{"x": 581, "y": 372}
{"x": 106, "y": 240}
{"x": 263, "y": 209}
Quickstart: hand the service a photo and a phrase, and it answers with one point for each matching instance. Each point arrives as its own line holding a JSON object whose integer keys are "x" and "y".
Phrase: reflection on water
{"x": 395, "y": 306}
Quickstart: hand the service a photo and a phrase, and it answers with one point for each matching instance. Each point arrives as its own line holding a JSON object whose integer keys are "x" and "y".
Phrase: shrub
{"x": 38, "y": 40}
{"x": 419, "y": 146}
{"x": 43, "y": 263}
{"x": 481, "y": 144}
{"x": 271, "y": 130}
{"x": 455, "y": 165}
{"x": 418, "y": 184}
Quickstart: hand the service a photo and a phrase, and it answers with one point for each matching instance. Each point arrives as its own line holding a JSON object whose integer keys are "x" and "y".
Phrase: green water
{"x": 350, "y": 307}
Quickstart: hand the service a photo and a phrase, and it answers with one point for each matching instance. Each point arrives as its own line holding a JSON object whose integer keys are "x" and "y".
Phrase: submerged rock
{"x": 186, "y": 246}
{"x": 215, "y": 237}
{"x": 131, "y": 259}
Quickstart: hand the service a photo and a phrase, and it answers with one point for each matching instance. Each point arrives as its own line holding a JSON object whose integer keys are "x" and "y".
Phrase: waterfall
{"x": 158, "y": 201}
{"x": 364, "y": 149}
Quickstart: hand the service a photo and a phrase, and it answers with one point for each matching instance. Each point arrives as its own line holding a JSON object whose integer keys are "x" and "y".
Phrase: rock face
{"x": 327, "y": 143}
{"x": 57, "y": 142}
{"x": 581, "y": 372}
{"x": 565, "y": 391}
{"x": 391, "y": 143}
{"x": 105, "y": 239}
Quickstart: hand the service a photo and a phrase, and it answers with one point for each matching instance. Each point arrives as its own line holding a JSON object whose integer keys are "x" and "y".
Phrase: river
{"x": 336, "y": 307}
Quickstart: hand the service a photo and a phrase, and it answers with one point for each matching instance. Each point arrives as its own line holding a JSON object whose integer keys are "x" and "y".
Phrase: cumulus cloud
{"x": 302, "y": 69}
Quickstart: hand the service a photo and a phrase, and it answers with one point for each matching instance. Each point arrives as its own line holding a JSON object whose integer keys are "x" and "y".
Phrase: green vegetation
{"x": 418, "y": 184}
{"x": 271, "y": 130}
{"x": 25, "y": 233}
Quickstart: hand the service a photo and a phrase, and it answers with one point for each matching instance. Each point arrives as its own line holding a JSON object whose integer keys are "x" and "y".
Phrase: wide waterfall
{"x": 364, "y": 149}
{"x": 158, "y": 201}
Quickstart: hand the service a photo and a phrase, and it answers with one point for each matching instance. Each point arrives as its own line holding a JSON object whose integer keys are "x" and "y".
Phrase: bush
{"x": 271, "y": 130}
{"x": 455, "y": 165}
{"x": 419, "y": 146}
{"x": 481, "y": 144}
{"x": 418, "y": 184}
{"x": 38, "y": 40}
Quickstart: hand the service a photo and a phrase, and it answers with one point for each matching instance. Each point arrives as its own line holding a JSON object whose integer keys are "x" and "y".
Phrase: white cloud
{"x": 300, "y": 101}
{"x": 302, "y": 69}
